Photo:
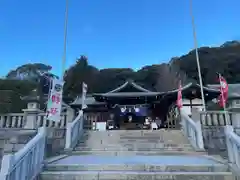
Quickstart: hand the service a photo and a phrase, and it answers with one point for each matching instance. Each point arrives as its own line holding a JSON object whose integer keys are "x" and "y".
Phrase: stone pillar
{"x": 236, "y": 120}
{"x": 31, "y": 115}
{"x": 70, "y": 114}
{"x": 196, "y": 116}
{"x": 229, "y": 129}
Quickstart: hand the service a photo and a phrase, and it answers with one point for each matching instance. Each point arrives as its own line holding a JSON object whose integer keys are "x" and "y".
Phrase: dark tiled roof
{"x": 233, "y": 89}
{"x": 129, "y": 83}
{"x": 90, "y": 100}
{"x": 129, "y": 94}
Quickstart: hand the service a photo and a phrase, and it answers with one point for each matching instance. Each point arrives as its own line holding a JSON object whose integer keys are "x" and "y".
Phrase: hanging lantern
{"x": 129, "y": 118}
{"x": 129, "y": 109}
{"x": 136, "y": 109}
{"x": 123, "y": 109}
{"x": 194, "y": 92}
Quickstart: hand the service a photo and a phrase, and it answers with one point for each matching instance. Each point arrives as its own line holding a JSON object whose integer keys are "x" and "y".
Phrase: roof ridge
{"x": 132, "y": 83}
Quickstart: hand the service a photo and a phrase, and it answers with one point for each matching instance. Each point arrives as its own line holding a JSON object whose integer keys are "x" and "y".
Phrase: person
{"x": 154, "y": 125}
{"x": 158, "y": 122}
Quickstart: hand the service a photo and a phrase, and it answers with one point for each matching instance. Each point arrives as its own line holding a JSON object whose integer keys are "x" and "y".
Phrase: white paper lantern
{"x": 123, "y": 110}
{"x": 137, "y": 109}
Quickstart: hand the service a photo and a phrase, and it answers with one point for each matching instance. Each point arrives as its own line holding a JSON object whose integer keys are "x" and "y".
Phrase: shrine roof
{"x": 128, "y": 94}
{"x": 97, "y": 98}
{"x": 194, "y": 85}
{"x": 90, "y": 100}
{"x": 233, "y": 89}
{"x": 129, "y": 83}
{"x": 147, "y": 93}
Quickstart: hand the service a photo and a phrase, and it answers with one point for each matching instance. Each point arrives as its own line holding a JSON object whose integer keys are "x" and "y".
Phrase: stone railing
{"x": 27, "y": 163}
{"x": 233, "y": 146}
{"x": 216, "y": 118}
{"x": 19, "y": 120}
{"x": 74, "y": 131}
{"x": 12, "y": 120}
{"x": 192, "y": 130}
{"x": 42, "y": 121}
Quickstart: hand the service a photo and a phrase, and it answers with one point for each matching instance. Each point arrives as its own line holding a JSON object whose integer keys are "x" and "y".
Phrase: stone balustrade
{"x": 12, "y": 120}
{"x": 19, "y": 120}
{"x": 27, "y": 163}
{"x": 42, "y": 121}
{"x": 216, "y": 118}
{"x": 213, "y": 129}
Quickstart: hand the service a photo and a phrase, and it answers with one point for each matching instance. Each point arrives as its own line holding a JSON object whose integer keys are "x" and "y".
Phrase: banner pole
{"x": 197, "y": 56}
{"x": 65, "y": 41}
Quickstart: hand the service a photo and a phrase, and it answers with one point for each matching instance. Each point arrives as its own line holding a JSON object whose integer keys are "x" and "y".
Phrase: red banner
{"x": 224, "y": 91}
{"x": 179, "y": 97}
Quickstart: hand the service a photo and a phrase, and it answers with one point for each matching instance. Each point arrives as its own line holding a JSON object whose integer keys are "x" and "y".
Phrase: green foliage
{"x": 28, "y": 71}
{"x": 10, "y": 93}
{"x": 161, "y": 77}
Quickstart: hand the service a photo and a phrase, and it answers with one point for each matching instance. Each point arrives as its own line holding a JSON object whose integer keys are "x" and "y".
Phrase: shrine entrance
{"x": 130, "y": 121}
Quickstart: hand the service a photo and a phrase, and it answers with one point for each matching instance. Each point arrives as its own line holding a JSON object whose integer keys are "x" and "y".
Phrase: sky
{"x": 111, "y": 33}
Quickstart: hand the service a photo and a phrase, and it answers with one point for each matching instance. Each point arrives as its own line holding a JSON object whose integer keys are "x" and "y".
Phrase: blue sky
{"x": 112, "y": 33}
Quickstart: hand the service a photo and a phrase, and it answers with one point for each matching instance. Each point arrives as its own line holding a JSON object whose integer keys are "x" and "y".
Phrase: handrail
{"x": 27, "y": 163}
{"x": 233, "y": 146}
{"x": 74, "y": 131}
{"x": 192, "y": 130}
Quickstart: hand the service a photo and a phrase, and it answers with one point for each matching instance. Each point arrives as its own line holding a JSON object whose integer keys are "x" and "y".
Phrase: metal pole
{"x": 197, "y": 56}
{"x": 65, "y": 40}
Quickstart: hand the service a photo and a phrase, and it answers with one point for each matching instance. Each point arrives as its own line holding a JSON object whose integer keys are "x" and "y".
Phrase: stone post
{"x": 196, "y": 117}
{"x": 236, "y": 120}
{"x": 70, "y": 114}
{"x": 7, "y": 164}
{"x": 33, "y": 108}
{"x": 229, "y": 129}
{"x": 31, "y": 114}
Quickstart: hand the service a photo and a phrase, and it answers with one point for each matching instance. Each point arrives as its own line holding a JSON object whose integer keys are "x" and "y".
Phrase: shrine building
{"x": 128, "y": 106}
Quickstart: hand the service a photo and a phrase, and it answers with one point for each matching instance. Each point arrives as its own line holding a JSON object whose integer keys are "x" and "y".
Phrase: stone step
{"x": 134, "y": 144}
{"x": 133, "y": 131}
{"x": 132, "y": 153}
{"x": 134, "y": 135}
{"x": 127, "y": 134}
{"x": 132, "y": 149}
{"x": 133, "y": 175}
{"x": 138, "y": 167}
{"x": 161, "y": 144}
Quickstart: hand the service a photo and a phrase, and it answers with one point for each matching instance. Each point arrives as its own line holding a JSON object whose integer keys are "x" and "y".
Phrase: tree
{"x": 29, "y": 72}
{"x": 77, "y": 74}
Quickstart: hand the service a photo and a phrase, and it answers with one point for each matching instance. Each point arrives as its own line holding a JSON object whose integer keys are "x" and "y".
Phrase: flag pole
{"x": 223, "y": 100}
{"x": 65, "y": 40}
{"x": 197, "y": 56}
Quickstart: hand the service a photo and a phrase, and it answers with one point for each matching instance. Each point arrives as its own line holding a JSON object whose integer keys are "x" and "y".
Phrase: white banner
{"x": 54, "y": 105}
{"x": 84, "y": 93}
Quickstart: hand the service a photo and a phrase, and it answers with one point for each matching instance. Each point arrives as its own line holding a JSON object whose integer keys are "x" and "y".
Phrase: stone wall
{"x": 56, "y": 138}
{"x": 12, "y": 140}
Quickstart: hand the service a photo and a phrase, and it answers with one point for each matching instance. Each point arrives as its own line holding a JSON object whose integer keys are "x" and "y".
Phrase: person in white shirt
{"x": 154, "y": 125}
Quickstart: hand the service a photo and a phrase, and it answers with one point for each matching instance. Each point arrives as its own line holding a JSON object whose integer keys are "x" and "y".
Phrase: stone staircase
{"x": 135, "y": 154}
{"x": 134, "y": 143}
